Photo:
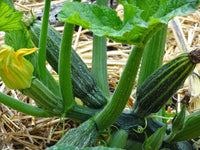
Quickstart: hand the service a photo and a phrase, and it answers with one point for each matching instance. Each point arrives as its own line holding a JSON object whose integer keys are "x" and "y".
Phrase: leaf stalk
{"x": 42, "y": 43}
{"x": 65, "y": 67}
{"x": 121, "y": 95}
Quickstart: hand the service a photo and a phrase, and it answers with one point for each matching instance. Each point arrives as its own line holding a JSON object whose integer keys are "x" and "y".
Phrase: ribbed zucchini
{"x": 44, "y": 97}
{"x": 83, "y": 136}
{"x": 84, "y": 84}
{"x": 163, "y": 83}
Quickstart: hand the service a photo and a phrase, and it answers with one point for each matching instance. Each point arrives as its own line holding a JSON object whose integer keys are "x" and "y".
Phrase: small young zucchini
{"x": 44, "y": 97}
{"x": 163, "y": 83}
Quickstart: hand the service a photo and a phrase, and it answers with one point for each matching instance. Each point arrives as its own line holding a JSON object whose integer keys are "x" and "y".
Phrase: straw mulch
{"x": 21, "y": 131}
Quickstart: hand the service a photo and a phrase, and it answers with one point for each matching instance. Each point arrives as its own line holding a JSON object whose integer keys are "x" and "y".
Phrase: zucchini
{"x": 44, "y": 97}
{"x": 153, "y": 125}
{"x": 83, "y": 136}
{"x": 83, "y": 83}
{"x": 69, "y": 147}
{"x": 163, "y": 83}
{"x": 183, "y": 145}
{"x": 129, "y": 121}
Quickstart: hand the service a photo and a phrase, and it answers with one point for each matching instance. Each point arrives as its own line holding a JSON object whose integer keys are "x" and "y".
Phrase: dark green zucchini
{"x": 83, "y": 82}
{"x": 83, "y": 136}
{"x": 163, "y": 83}
{"x": 183, "y": 145}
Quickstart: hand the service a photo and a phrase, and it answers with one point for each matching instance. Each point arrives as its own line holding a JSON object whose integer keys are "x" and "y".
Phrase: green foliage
{"x": 12, "y": 39}
{"x": 138, "y": 25}
{"x": 177, "y": 124}
{"x": 178, "y": 121}
{"x": 191, "y": 128}
{"x": 155, "y": 140}
{"x": 119, "y": 139}
{"x": 10, "y": 19}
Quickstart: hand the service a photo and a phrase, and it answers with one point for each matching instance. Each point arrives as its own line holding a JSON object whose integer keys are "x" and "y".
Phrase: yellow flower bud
{"x": 15, "y": 71}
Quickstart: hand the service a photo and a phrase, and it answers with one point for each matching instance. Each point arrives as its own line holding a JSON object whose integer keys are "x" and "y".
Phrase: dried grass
{"x": 20, "y": 131}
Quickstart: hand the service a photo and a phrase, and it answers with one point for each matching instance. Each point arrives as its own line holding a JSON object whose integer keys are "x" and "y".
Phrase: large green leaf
{"x": 142, "y": 19}
{"x": 93, "y": 17}
{"x": 171, "y": 8}
{"x": 149, "y": 7}
{"x": 9, "y": 18}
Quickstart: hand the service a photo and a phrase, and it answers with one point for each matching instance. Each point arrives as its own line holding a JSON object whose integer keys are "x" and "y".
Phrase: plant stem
{"x": 99, "y": 59}
{"x": 99, "y": 64}
{"x": 153, "y": 55}
{"x": 65, "y": 67}
{"x": 81, "y": 113}
{"x": 22, "y": 107}
{"x": 42, "y": 43}
{"x": 121, "y": 95}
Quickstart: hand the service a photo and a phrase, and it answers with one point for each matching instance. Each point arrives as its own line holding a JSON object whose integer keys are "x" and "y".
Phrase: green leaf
{"x": 155, "y": 140}
{"x": 12, "y": 39}
{"x": 132, "y": 143}
{"x": 92, "y": 17}
{"x": 171, "y": 8}
{"x": 10, "y": 3}
{"x": 190, "y": 129}
{"x": 10, "y": 19}
{"x": 140, "y": 22}
{"x": 149, "y": 7}
{"x": 119, "y": 139}
{"x": 97, "y": 20}
{"x": 177, "y": 125}
{"x": 178, "y": 121}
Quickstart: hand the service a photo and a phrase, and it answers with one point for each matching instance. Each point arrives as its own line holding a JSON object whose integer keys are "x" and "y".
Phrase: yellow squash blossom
{"x": 15, "y": 71}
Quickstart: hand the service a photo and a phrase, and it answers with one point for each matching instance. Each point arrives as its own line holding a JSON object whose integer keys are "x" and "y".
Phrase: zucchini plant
{"x": 144, "y": 26}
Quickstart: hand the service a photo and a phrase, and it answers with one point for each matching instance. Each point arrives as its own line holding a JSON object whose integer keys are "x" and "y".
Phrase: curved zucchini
{"x": 83, "y": 82}
{"x": 163, "y": 83}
